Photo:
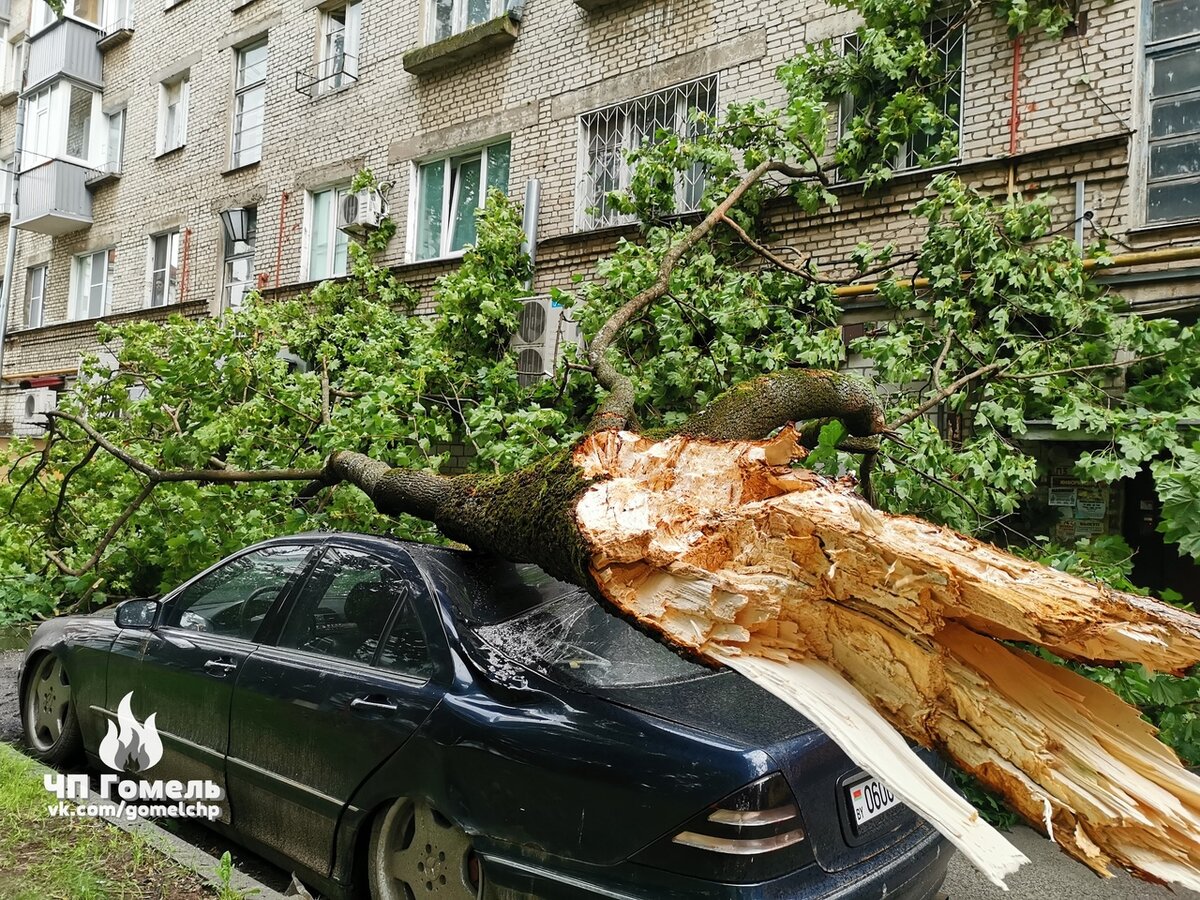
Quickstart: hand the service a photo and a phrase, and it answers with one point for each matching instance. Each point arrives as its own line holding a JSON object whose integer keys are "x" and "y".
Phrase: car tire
{"x": 416, "y": 852}
{"x": 48, "y": 712}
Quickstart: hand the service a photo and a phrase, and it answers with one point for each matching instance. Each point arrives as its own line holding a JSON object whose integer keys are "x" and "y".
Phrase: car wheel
{"x": 416, "y": 852}
{"x": 51, "y": 727}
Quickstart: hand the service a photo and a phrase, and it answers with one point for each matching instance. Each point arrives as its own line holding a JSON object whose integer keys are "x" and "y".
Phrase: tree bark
{"x": 870, "y": 624}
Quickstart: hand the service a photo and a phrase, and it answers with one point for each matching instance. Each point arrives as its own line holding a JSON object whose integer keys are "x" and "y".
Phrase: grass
{"x": 44, "y": 858}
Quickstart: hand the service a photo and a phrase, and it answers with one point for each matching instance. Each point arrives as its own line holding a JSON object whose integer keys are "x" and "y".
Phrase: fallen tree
{"x": 701, "y": 529}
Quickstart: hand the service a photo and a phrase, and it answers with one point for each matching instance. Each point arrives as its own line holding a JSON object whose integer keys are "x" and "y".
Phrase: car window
{"x": 405, "y": 649}
{"x": 573, "y": 640}
{"x": 234, "y": 599}
{"x": 345, "y": 606}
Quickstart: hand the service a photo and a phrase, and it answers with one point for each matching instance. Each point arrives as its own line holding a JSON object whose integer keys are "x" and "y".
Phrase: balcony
{"x": 106, "y": 173}
{"x": 68, "y": 49}
{"x": 115, "y": 34}
{"x": 54, "y": 199}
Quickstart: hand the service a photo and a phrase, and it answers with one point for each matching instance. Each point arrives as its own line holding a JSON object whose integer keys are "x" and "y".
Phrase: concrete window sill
{"x": 459, "y": 48}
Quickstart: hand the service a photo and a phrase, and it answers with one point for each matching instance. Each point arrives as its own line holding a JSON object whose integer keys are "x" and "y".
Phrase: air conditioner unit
{"x": 29, "y": 419}
{"x": 361, "y": 211}
{"x": 543, "y": 333}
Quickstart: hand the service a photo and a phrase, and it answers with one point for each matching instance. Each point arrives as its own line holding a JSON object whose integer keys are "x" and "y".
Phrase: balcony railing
{"x": 327, "y": 75}
{"x": 103, "y": 174}
{"x": 53, "y": 198}
{"x": 115, "y": 33}
{"x": 66, "y": 48}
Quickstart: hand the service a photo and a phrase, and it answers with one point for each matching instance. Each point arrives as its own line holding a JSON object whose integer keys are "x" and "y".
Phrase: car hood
{"x": 722, "y": 703}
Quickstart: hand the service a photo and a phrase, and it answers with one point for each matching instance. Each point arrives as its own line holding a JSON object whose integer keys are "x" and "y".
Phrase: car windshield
{"x": 573, "y": 640}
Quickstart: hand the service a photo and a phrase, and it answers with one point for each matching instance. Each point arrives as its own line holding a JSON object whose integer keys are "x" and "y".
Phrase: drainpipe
{"x": 529, "y": 224}
{"x": 1014, "y": 116}
{"x": 10, "y": 254}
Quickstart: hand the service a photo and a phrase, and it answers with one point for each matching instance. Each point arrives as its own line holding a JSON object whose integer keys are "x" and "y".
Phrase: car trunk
{"x": 725, "y": 704}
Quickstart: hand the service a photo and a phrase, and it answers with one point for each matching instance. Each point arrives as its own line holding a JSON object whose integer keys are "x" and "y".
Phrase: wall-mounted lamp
{"x": 237, "y": 224}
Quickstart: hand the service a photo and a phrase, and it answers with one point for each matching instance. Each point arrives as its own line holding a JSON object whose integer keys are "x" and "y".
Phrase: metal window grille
{"x": 1173, "y": 113}
{"x": 948, "y": 36}
{"x": 607, "y": 136}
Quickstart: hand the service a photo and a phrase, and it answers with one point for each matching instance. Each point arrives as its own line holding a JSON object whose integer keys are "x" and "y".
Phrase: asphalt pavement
{"x": 1051, "y": 875}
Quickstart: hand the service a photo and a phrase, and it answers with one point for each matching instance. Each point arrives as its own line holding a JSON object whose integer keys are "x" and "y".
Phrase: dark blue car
{"x": 396, "y": 721}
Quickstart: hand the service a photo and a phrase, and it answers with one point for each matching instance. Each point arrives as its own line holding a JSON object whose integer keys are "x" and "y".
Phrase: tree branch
{"x": 113, "y": 529}
{"x": 945, "y": 392}
{"x": 616, "y": 411}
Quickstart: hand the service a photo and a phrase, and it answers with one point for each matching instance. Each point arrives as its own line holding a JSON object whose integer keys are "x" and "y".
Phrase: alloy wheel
{"x": 418, "y": 853}
{"x": 48, "y": 703}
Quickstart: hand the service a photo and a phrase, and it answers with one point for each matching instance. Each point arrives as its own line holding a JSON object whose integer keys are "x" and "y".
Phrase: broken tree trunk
{"x": 874, "y": 626}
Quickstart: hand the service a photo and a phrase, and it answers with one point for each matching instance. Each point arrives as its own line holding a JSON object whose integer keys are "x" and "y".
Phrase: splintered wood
{"x": 794, "y": 581}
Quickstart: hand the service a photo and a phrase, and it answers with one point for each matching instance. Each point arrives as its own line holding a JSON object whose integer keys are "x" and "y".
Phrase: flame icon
{"x": 136, "y": 747}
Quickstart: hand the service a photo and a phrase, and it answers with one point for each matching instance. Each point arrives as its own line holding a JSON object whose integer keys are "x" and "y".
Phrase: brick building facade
{"x": 144, "y": 121}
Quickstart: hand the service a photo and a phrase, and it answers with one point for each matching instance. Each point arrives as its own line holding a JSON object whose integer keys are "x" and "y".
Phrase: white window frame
{"x": 337, "y": 66}
{"x": 244, "y": 93}
{"x": 84, "y": 282}
{"x": 41, "y": 16}
{"x": 36, "y": 277}
{"x": 585, "y": 220}
{"x": 47, "y": 126}
{"x": 117, "y": 14}
{"x": 459, "y": 10}
{"x": 338, "y": 191}
{"x": 229, "y": 283}
{"x": 6, "y": 184}
{"x": 171, "y": 139}
{"x": 114, "y": 160}
{"x": 449, "y": 197}
{"x": 174, "y": 239}
{"x": 14, "y": 66}
{"x": 1151, "y": 51}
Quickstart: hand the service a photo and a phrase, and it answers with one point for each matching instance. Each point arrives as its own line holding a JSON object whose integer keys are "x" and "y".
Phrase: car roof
{"x": 356, "y": 537}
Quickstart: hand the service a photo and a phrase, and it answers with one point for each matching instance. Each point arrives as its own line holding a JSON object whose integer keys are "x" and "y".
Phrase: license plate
{"x": 869, "y": 798}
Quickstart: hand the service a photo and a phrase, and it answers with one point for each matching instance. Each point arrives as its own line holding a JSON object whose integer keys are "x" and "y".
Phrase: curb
{"x": 190, "y": 857}
{"x": 174, "y": 847}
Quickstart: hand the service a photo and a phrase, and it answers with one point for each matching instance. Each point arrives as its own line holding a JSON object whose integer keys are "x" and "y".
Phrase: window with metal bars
{"x": 607, "y": 137}
{"x": 947, "y": 33}
{"x": 250, "y": 100}
{"x": 1172, "y": 157}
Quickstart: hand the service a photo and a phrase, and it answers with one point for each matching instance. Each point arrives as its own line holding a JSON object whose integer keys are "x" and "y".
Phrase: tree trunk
{"x": 872, "y": 625}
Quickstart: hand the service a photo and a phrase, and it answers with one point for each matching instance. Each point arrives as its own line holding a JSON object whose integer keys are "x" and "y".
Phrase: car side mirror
{"x": 137, "y": 613}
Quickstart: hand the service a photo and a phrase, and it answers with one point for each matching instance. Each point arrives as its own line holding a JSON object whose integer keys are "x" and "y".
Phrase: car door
{"x": 183, "y": 670}
{"x": 348, "y": 681}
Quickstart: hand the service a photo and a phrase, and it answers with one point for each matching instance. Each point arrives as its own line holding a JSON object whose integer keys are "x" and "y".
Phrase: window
{"x": 114, "y": 144}
{"x": 250, "y": 100}
{"x": 14, "y": 68}
{"x": 239, "y": 264}
{"x": 346, "y": 606}
{"x": 328, "y": 246}
{"x": 42, "y": 16}
{"x": 339, "y": 46}
{"x": 447, "y": 17}
{"x": 234, "y": 599}
{"x": 35, "y": 296}
{"x": 948, "y": 35}
{"x": 173, "y": 113}
{"x": 61, "y": 121}
{"x": 448, "y": 193}
{"x": 89, "y": 284}
{"x": 6, "y": 184}
{"x": 607, "y": 136}
{"x": 1173, "y": 117}
{"x": 164, "y": 268}
{"x": 405, "y": 649}
{"x": 118, "y": 14}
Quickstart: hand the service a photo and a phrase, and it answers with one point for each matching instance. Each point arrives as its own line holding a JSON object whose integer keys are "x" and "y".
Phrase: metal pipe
{"x": 10, "y": 253}
{"x": 529, "y": 224}
{"x": 1014, "y": 113}
{"x": 283, "y": 202}
{"x": 1123, "y": 260}
{"x": 1080, "y": 211}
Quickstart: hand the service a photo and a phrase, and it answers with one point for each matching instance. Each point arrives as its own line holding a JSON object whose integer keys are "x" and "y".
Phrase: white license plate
{"x": 869, "y": 798}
